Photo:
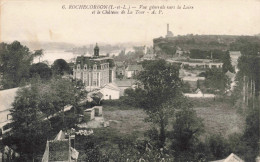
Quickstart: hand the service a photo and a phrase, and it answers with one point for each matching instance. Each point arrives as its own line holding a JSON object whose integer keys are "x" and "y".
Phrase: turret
{"x": 96, "y": 51}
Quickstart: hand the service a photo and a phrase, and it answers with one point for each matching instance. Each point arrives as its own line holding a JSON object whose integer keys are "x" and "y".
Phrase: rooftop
{"x": 134, "y": 68}
{"x": 235, "y": 53}
{"x": 7, "y": 98}
{"x": 125, "y": 82}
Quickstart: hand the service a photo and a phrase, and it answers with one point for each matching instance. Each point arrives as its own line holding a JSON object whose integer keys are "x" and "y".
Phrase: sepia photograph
{"x": 129, "y": 81}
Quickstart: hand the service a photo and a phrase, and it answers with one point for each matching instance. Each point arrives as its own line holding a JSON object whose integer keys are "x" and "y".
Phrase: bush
{"x": 218, "y": 146}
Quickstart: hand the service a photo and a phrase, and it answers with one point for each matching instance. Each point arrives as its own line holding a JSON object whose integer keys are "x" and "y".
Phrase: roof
{"x": 119, "y": 64}
{"x": 231, "y": 158}
{"x": 111, "y": 86}
{"x": 59, "y": 149}
{"x": 90, "y": 61}
{"x": 60, "y": 136}
{"x": 134, "y": 68}
{"x": 125, "y": 83}
{"x": 230, "y": 75}
{"x": 7, "y": 98}
{"x": 234, "y": 53}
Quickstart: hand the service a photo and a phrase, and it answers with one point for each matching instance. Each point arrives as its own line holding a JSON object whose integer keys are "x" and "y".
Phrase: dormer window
{"x": 85, "y": 67}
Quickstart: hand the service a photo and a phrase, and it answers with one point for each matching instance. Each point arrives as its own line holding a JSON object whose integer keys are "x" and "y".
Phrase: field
{"x": 128, "y": 121}
{"x": 219, "y": 117}
{"x": 127, "y": 124}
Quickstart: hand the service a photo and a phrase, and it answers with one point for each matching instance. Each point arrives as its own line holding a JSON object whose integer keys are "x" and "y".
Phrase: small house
{"x": 133, "y": 70}
{"x": 110, "y": 92}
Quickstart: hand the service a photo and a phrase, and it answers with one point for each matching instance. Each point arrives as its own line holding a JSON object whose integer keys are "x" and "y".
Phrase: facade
{"x": 196, "y": 63}
{"x": 6, "y": 99}
{"x": 120, "y": 69}
{"x": 124, "y": 84}
{"x": 60, "y": 149}
{"x": 149, "y": 54}
{"x": 110, "y": 92}
{"x": 133, "y": 70}
{"x": 95, "y": 71}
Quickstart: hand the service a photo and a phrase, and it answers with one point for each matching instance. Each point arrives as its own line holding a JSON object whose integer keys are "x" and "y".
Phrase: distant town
{"x": 183, "y": 98}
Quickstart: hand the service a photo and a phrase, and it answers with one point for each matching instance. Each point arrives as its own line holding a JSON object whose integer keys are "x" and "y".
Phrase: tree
{"x": 60, "y": 67}
{"x": 186, "y": 129}
{"x": 39, "y": 54}
{"x": 15, "y": 63}
{"x": 40, "y": 69}
{"x": 227, "y": 66}
{"x": 29, "y": 131}
{"x": 161, "y": 87}
{"x": 217, "y": 81}
{"x": 218, "y": 146}
{"x": 251, "y": 134}
{"x": 66, "y": 92}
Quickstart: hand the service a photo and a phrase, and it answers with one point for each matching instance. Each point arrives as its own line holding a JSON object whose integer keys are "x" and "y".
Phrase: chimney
{"x": 167, "y": 28}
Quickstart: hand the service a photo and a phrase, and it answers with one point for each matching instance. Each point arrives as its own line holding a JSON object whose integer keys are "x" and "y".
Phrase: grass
{"x": 219, "y": 117}
{"x": 126, "y": 120}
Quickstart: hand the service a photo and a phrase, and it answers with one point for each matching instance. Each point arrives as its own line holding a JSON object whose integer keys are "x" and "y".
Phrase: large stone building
{"x": 96, "y": 71}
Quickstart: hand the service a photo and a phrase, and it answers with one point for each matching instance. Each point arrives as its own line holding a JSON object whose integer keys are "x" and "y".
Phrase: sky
{"x": 46, "y": 21}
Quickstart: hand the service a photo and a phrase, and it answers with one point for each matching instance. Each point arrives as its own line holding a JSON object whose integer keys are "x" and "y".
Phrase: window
{"x": 85, "y": 67}
{"x": 78, "y": 67}
{"x": 95, "y": 67}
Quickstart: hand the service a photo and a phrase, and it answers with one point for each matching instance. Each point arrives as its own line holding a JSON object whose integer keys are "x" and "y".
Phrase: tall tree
{"x": 217, "y": 81}
{"x": 60, "y": 67}
{"x": 186, "y": 129}
{"x": 40, "y": 69}
{"x": 29, "y": 131}
{"x": 15, "y": 63}
{"x": 162, "y": 86}
{"x": 39, "y": 53}
{"x": 227, "y": 66}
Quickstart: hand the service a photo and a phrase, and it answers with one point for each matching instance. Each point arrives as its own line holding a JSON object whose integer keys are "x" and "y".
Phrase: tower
{"x": 96, "y": 51}
{"x": 169, "y": 34}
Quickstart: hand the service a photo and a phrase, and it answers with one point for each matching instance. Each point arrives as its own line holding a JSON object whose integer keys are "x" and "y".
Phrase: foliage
{"x": 227, "y": 66}
{"x": 15, "y": 61}
{"x": 218, "y": 146}
{"x": 217, "y": 81}
{"x": 32, "y": 108}
{"x": 60, "y": 67}
{"x": 39, "y": 54}
{"x": 251, "y": 135}
{"x": 40, "y": 69}
{"x": 108, "y": 145}
{"x": 167, "y": 48}
{"x": 161, "y": 86}
{"x": 186, "y": 87}
{"x": 134, "y": 97}
{"x": 186, "y": 130}
{"x": 161, "y": 83}
{"x": 247, "y": 45}
{"x": 29, "y": 131}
